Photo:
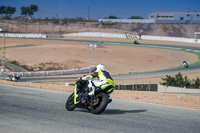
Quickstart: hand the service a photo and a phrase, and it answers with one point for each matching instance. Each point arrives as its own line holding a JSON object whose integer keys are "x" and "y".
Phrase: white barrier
{"x": 97, "y": 34}
{"x": 101, "y": 34}
{"x": 127, "y": 20}
{"x": 85, "y": 70}
{"x": 143, "y": 37}
{"x": 171, "y": 89}
{"x": 175, "y": 39}
{"x": 112, "y": 35}
{"x": 18, "y": 35}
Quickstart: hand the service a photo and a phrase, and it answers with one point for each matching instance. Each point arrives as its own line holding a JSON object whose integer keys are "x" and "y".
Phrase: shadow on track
{"x": 114, "y": 111}
{"x": 119, "y": 112}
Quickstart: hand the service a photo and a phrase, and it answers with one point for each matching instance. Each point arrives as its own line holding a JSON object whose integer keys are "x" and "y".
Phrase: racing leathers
{"x": 105, "y": 82}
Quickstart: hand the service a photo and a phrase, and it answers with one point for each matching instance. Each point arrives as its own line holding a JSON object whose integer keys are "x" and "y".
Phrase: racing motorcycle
{"x": 96, "y": 103}
{"x": 13, "y": 77}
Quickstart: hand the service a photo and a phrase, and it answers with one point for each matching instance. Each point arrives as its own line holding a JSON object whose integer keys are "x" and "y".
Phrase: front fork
{"x": 75, "y": 95}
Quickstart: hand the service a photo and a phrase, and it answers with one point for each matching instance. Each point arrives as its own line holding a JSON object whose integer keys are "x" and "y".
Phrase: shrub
{"x": 23, "y": 66}
{"x": 180, "y": 81}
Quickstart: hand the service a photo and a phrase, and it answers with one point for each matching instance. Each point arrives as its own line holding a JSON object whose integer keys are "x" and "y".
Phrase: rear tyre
{"x": 70, "y": 106}
{"x": 101, "y": 105}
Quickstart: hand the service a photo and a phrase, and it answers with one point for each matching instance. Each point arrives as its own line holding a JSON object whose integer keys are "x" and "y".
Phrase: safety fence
{"x": 18, "y": 35}
{"x": 51, "y": 73}
{"x": 137, "y": 87}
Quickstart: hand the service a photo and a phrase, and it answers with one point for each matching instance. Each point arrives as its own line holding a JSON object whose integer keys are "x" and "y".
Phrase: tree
{"x": 29, "y": 11}
{"x": 113, "y": 17}
{"x": 10, "y": 10}
{"x": 197, "y": 83}
{"x": 187, "y": 82}
{"x": 179, "y": 81}
{"x": 24, "y": 10}
{"x": 34, "y": 8}
{"x": 2, "y": 10}
{"x": 136, "y": 17}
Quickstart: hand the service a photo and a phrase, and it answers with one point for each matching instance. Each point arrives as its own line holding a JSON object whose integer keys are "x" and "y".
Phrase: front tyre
{"x": 101, "y": 104}
{"x": 70, "y": 106}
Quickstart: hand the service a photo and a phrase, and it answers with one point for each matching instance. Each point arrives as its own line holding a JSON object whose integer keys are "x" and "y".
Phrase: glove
{"x": 79, "y": 79}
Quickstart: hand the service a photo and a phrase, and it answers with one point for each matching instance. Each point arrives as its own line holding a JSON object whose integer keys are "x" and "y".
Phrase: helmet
{"x": 100, "y": 67}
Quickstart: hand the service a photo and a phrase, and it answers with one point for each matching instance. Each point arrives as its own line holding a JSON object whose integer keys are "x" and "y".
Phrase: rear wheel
{"x": 70, "y": 106}
{"x": 101, "y": 103}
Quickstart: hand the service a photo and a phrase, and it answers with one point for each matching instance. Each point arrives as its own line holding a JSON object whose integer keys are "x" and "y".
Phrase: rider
{"x": 104, "y": 82}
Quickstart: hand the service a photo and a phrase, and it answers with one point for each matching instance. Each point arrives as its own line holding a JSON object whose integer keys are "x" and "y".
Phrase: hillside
{"x": 173, "y": 30}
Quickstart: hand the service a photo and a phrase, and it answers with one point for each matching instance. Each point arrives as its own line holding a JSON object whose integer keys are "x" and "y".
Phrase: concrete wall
{"x": 171, "y": 89}
{"x": 127, "y": 20}
{"x": 144, "y": 37}
{"x": 175, "y": 39}
{"x": 101, "y": 34}
{"x": 19, "y": 35}
{"x": 159, "y": 21}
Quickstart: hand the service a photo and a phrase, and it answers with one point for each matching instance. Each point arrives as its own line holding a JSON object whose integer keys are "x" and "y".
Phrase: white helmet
{"x": 100, "y": 67}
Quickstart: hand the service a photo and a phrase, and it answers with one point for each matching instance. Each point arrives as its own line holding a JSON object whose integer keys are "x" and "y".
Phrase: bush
{"x": 180, "y": 81}
{"x": 23, "y": 66}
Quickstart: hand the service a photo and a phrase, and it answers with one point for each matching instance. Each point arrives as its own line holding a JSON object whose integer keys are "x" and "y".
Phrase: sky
{"x": 96, "y": 9}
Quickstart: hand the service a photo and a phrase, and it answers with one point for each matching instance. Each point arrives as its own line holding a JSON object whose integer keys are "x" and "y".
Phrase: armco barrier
{"x": 51, "y": 73}
{"x": 18, "y": 35}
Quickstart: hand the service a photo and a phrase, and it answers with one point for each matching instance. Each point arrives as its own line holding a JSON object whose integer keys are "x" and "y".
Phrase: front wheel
{"x": 101, "y": 103}
{"x": 70, "y": 106}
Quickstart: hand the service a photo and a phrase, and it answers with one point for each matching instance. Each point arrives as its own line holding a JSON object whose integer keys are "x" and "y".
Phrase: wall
{"x": 112, "y": 35}
{"x": 175, "y": 39}
{"x": 128, "y": 20}
{"x": 101, "y": 34}
{"x": 129, "y": 36}
{"x": 18, "y": 35}
{"x": 186, "y": 20}
{"x": 171, "y": 89}
{"x": 51, "y": 73}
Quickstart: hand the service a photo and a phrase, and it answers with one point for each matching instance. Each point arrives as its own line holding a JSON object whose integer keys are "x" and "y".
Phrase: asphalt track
{"x": 30, "y": 110}
{"x": 191, "y": 69}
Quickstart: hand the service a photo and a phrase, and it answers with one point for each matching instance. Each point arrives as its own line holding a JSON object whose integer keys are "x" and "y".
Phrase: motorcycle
{"x": 185, "y": 64}
{"x": 14, "y": 78}
{"x": 136, "y": 42}
{"x": 96, "y": 103}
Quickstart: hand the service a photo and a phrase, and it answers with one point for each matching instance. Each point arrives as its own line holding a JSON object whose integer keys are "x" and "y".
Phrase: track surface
{"x": 25, "y": 110}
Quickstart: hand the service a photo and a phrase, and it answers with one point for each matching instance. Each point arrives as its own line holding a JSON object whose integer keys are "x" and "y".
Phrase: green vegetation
{"x": 29, "y": 11}
{"x": 23, "y": 66}
{"x": 136, "y": 17}
{"x": 8, "y": 11}
{"x": 180, "y": 81}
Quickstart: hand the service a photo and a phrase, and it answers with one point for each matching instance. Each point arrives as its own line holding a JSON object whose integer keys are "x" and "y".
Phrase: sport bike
{"x": 96, "y": 103}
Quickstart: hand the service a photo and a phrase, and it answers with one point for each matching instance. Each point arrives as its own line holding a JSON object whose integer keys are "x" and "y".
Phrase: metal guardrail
{"x": 51, "y": 73}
